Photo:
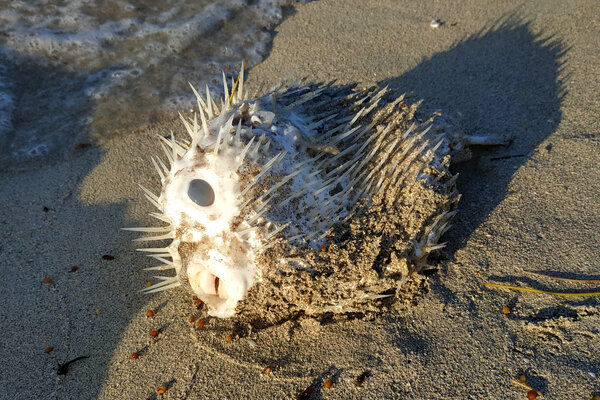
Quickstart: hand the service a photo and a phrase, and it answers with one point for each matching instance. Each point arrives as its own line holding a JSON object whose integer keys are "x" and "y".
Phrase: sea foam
{"x": 71, "y": 70}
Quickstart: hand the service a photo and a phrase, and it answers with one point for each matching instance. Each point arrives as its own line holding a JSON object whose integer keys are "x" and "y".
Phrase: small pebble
{"x": 49, "y": 349}
{"x": 200, "y": 323}
{"x": 135, "y": 355}
{"x": 592, "y": 374}
{"x": 268, "y": 370}
{"x": 108, "y": 257}
{"x": 161, "y": 389}
{"x": 327, "y": 384}
{"x": 361, "y": 378}
{"x": 81, "y": 146}
{"x": 197, "y": 302}
{"x": 48, "y": 281}
{"x": 191, "y": 320}
{"x": 149, "y": 313}
{"x": 154, "y": 333}
{"x": 436, "y": 23}
{"x": 74, "y": 268}
{"x": 505, "y": 310}
{"x": 306, "y": 393}
{"x": 532, "y": 395}
{"x": 228, "y": 338}
{"x": 595, "y": 397}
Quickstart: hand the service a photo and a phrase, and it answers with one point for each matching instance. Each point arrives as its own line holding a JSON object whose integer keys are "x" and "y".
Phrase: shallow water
{"x": 78, "y": 72}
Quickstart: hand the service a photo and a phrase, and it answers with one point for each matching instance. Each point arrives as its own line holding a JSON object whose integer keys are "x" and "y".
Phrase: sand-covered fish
{"x": 308, "y": 198}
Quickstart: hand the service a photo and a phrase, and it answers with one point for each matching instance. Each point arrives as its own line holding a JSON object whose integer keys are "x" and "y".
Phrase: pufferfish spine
{"x": 284, "y": 169}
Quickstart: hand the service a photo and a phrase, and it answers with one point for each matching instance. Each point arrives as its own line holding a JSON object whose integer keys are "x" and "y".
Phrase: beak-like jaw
{"x": 219, "y": 284}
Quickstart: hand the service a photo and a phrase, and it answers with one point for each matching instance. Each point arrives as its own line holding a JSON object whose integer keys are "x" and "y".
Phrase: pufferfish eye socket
{"x": 201, "y": 193}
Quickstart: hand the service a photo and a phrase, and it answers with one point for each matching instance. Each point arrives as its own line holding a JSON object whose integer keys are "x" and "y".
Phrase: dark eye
{"x": 201, "y": 193}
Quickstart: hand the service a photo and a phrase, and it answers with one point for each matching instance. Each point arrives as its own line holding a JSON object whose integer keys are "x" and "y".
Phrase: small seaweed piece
{"x": 64, "y": 368}
{"x": 532, "y": 290}
{"x": 306, "y": 393}
{"x": 237, "y": 81}
{"x": 361, "y": 378}
{"x": 587, "y": 281}
{"x": 524, "y": 385}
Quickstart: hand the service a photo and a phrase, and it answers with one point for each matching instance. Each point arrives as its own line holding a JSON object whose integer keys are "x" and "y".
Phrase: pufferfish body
{"x": 309, "y": 198}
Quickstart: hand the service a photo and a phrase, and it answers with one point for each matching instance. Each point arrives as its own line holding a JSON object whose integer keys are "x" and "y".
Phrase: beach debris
{"x": 358, "y": 382}
{"x": 573, "y": 280}
{"x": 549, "y": 292}
{"x": 161, "y": 389}
{"x": 149, "y": 313}
{"x": 48, "y": 281}
{"x": 81, "y": 146}
{"x": 310, "y": 171}
{"x": 532, "y": 290}
{"x": 63, "y": 369}
{"x": 436, "y": 23}
{"x": 544, "y": 152}
{"x": 197, "y": 302}
{"x": 306, "y": 393}
{"x": 532, "y": 394}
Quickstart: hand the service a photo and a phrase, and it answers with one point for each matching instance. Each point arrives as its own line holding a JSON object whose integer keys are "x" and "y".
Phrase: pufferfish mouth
{"x": 220, "y": 290}
{"x": 212, "y": 285}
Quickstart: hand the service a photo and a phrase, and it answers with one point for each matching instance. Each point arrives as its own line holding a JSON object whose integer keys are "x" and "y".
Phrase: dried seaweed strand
{"x": 237, "y": 81}
{"x": 524, "y": 386}
{"x": 588, "y": 281}
{"x": 528, "y": 289}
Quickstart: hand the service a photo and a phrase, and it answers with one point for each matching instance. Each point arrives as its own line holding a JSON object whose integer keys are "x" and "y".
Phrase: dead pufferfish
{"x": 309, "y": 198}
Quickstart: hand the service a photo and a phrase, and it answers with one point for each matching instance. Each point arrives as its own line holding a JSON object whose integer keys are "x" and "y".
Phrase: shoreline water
{"x": 75, "y": 74}
{"x": 529, "y": 206}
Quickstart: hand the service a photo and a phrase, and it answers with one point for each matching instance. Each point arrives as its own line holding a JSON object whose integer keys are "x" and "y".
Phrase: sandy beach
{"x": 524, "y": 70}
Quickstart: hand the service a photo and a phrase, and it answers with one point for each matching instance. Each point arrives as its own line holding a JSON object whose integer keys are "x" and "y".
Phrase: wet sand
{"x": 524, "y": 70}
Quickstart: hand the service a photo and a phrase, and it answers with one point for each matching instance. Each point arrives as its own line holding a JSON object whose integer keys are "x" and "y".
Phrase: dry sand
{"x": 527, "y": 69}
